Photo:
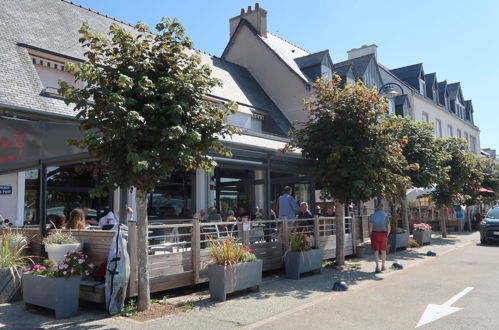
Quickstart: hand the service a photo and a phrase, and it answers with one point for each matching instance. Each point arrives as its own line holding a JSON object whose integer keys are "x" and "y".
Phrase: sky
{"x": 456, "y": 39}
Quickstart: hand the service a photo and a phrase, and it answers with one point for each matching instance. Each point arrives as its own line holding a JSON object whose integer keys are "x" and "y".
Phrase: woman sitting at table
{"x": 58, "y": 221}
{"x": 76, "y": 220}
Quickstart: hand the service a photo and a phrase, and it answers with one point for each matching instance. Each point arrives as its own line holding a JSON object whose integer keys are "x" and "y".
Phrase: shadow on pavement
{"x": 15, "y": 316}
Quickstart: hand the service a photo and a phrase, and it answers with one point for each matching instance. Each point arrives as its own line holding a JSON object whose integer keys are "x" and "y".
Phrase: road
{"x": 399, "y": 300}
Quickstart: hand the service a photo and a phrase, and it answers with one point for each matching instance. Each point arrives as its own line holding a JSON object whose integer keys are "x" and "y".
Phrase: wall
{"x": 435, "y": 112}
{"x": 282, "y": 85}
{"x": 12, "y": 206}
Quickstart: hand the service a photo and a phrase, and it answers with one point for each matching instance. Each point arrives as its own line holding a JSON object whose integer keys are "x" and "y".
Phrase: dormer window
{"x": 422, "y": 87}
{"x": 446, "y": 101}
{"x": 326, "y": 71}
{"x": 50, "y": 70}
{"x": 435, "y": 95}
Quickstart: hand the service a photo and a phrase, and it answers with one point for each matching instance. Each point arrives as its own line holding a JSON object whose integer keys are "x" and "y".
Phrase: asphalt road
{"x": 399, "y": 300}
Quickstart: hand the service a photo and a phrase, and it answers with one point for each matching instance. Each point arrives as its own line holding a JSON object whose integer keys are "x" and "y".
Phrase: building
{"x": 267, "y": 76}
{"x": 37, "y": 38}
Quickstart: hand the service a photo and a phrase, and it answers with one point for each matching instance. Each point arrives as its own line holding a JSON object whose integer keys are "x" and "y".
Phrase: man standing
{"x": 288, "y": 205}
{"x": 379, "y": 229}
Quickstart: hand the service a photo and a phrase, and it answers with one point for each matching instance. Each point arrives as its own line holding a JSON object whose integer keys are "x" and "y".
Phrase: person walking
{"x": 379, "y": 229}
{"x": 288, "y": 205}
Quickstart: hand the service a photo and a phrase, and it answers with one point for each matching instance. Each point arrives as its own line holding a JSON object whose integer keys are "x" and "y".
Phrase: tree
{"x": 143, "y": 112}
{"x": 490, "y": 180}
{"x": 463, "y": 171}
{"x": 350, "y": 141}
{"x": 423, "y": 158}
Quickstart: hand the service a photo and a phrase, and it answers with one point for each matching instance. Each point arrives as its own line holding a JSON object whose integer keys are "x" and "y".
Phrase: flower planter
{"x": 233, "y": 278}
{"x": 58, "y": 293}
{"x": 10, "y": 284}
{"x": 398, "y": 241}
{"x": 56, "y": 252}
{"x": 297, "y": 263}
{"x": 422, "y": 236}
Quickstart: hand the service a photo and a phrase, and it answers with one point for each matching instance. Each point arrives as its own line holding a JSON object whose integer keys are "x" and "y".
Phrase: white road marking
{"x": 435, "y": 312}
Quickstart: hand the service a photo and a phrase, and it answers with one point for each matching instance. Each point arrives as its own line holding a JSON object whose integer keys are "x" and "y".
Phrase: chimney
{"x": 256, "y": 17}
{"x": 362, "y": 51}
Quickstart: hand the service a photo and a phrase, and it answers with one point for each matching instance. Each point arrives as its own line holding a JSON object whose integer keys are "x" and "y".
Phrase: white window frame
{"x": 425, "y": 117}
{"x": 422, "y": 87}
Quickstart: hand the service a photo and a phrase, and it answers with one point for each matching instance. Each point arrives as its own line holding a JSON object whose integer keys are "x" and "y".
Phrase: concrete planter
{"x": 58, "y": 293}
{"x": 10, "y": 284}
{"x": 233, "y": 278}
{"x": 56, "y": 252}
{"x": 297, "y": 263}
{"x": 401, "y": 240}
{"x": 422, "y": 236}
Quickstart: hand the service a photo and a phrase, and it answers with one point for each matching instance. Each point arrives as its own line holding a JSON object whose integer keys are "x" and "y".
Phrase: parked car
{"x": 489, "y": 227}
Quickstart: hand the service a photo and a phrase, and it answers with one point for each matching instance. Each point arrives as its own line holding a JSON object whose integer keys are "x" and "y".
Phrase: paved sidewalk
{"x": 277, "y": 295}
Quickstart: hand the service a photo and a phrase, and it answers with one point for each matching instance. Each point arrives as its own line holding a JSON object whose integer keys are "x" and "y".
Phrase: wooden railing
{"x": 180, "y": 255}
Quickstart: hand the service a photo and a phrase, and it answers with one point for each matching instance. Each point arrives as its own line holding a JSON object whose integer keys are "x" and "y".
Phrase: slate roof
{"x": 287, "y": 51}
{"x": 468, "y": 105}
{"x": 359, "y": 65}
{"x": 312, "y": 59}
{"x": 409, "y": 74}
{"x": 342, "y": 71}
{"x": 52, "y": 25}
{"x": 442, "y": 87}
{"x": 453, "y": 90}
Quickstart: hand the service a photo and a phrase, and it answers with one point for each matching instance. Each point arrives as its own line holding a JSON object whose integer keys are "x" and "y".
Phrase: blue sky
{"x": 456, "y": 39}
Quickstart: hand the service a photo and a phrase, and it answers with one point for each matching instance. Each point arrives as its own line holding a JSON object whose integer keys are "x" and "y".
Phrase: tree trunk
{"x": 404, "y": 210}
{"x": 144, "y": 301}
{"x": 444, "y": 222}
{"x": 340, "y": 233}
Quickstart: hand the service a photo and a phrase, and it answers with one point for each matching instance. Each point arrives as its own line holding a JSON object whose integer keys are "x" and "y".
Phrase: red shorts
{"x": 378, "y": 241}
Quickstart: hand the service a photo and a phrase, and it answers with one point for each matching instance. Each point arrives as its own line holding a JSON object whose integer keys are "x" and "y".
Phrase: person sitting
{"x": 230, "y": 216}
{"x": 213, "y": 215}
{"x": 241, "y": 212}
{"x": 318, "y": 210}
{"x": 76, "y": 219}
{"x": 58, "y": 221}
{"x": 330, "y": 211}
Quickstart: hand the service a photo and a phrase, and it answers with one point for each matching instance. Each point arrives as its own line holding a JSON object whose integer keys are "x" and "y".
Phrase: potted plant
{"x": 422, "y": 233}
{"x": 57, "y": 244}
{"x": 235, "y": 268}
{"x": 301, "y": 257}
{"x": 56, "y": 285}
{"x": 12, "y": 261}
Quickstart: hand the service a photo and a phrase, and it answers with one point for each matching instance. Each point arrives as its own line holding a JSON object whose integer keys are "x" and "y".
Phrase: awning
{"x": 25, "y": 144}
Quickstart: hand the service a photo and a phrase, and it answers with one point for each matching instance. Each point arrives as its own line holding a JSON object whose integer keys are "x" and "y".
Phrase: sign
{"x": 435, "y": 312}
{"x": 5, "y": 190}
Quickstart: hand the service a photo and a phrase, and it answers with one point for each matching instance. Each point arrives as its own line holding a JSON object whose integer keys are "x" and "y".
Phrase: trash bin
{"x": 360, "y": 251}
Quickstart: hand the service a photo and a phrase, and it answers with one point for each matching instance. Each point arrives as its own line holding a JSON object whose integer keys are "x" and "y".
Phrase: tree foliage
{"x": 464, "y": 171}
{"x": 357, "y": 155}
{"x": 142, "y": 108}
{"x": 421, "y": 152}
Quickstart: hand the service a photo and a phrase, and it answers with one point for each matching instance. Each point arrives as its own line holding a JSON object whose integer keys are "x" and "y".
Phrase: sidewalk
{"x": 277, "y": 295}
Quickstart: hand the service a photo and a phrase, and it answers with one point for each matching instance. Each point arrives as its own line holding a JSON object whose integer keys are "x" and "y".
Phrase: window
{"x": 422, "y": 87}
{"x": 473, "y": 144}
{"x": 466, "y": 136}
{"x": 326, "y": 71}
{"x": 426, "y": 119}
{"x": 435, "y": 95}
{"x": 446, "y": 101}
{"x": 50, "y": 70}
{"x": 459, "y": 133}
{"x": 438, "y": 128}
{"x": 449, "y": 131}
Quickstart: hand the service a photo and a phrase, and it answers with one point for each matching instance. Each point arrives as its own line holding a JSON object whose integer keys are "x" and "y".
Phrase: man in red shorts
{"x": 379, "y": 229}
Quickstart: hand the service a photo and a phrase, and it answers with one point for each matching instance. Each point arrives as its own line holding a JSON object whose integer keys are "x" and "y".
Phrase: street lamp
{"x": 389, "y": 92}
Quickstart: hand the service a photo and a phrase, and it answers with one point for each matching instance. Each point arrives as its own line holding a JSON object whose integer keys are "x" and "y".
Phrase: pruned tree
{"x": 144, "y": 113}
{"x": 463, "y": 169}
{"x": 424, "y": 160}
{"x": 352, "y": 143}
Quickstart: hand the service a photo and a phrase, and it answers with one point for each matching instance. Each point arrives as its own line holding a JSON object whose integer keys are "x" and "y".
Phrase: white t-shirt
{"x": 108, "y": 219}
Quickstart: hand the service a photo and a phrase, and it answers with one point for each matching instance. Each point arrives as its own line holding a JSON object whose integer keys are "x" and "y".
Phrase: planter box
{"x": 297, "y": 263}
{"x": 422, "y": 236}
{"x": 233, "y": 278}
{"x": 401, "y": 240}
{"x": 10, "y": 285}
{"x": 58, "y": 293}
{"x": 56, "y": 252}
